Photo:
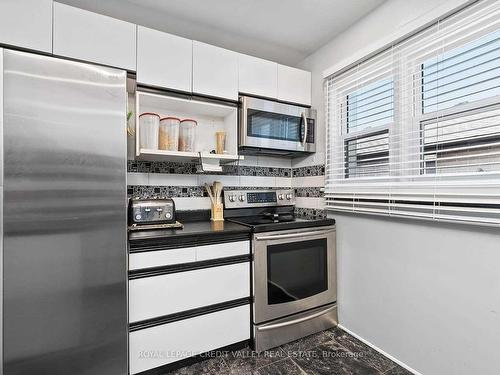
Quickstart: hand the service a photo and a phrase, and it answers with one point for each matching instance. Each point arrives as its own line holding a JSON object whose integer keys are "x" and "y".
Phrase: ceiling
{"x": 286, "y": 31}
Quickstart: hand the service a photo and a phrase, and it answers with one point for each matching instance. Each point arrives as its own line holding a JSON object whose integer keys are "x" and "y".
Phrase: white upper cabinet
{"x": 93, "y": 37}
{"x": 215, "y": 71}
{"x": 164, "y": 60}
{"x": 257, "y": 76}
{"x": 27, "y": 24}
{"x": 294, "y": 85}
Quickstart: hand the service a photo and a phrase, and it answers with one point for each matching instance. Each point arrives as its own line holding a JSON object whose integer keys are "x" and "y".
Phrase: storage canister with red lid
{"x": 169, "y": 133}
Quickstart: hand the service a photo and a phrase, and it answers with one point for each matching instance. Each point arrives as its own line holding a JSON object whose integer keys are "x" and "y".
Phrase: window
{"x": 370, "y": 106}
{"x": 462, "y": 75}
{"x": 369, "y": 113}
{"x": 466, "y": 143}
{"x": 414, "y": 131}
{"x": 367, "y": 155}
{"x": 458, "y": 139}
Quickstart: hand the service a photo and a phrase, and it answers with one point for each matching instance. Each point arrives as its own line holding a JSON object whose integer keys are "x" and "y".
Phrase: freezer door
{"x": 65, "y": 307}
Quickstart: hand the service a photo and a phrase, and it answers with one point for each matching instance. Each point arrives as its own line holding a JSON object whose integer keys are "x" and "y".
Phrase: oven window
{"x": 270, "y": 125}
{"x": 296, "y": 270}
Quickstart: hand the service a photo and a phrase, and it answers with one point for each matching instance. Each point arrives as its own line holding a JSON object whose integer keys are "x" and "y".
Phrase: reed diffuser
{"x": 215, "y": 194}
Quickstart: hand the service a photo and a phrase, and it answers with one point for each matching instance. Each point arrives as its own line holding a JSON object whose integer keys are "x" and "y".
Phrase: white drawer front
{"x": 160, "y": 258}
{"x": 169, "y": 257}
{"x": 222, "y": 250}
{"x": 156, "y": 296}
{"x": 160, "y": 345}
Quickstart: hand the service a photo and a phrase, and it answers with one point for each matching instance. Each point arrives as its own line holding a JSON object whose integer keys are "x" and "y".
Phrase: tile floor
{"x": 329, "y": 352}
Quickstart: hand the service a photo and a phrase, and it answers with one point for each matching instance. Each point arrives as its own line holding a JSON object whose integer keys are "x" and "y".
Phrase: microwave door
{"x": 274, "y": 130}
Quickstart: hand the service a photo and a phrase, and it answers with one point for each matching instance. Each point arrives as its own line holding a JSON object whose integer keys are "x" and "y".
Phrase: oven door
{"x": 271, "y": 125}
{"x": 294, "y": 271}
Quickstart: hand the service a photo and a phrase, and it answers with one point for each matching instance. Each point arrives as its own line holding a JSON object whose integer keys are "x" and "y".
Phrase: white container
{"x": 149, "y": 127}
{"x": 187, "y": 135}
{"x": 169, "y": 134}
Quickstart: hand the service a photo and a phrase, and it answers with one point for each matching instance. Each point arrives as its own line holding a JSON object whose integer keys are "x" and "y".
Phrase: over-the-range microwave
{"x": 274, "y": 128}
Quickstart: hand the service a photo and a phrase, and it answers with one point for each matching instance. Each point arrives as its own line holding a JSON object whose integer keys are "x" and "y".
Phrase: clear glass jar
{"x": 187, "y": 135}
{"x": 149, "y": 125}
{"x": 169, "y": 133}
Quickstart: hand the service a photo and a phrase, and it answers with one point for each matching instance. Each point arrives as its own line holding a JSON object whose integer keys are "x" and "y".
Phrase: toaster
{"x": 151, "y": 211}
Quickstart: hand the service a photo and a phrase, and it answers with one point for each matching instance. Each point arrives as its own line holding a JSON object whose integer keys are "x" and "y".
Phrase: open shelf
{"x": 211, "y": 117}
{"x": 181, "y": 156}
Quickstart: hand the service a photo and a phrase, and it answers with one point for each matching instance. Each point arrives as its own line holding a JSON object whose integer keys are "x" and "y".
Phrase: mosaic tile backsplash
{"x": 309, "y": 192}
{"x": 310, "y": 213}
{"x": 190, "y": 168}
{"x": 145, "y": 191}
{"x": 313, "y": 170}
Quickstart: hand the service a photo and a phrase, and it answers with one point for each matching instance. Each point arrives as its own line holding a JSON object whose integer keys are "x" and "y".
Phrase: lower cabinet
{"x": 187, "y": 301}
{"x": 163, "y": 344}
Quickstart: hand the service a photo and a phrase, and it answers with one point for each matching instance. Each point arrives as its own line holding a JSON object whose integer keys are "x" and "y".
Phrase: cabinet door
{"x": 164, "y": 60}
{"x": 93, "y": 37}
{"x": 294, "y": 85}
{"x": 215, "y": 71}
{"x": 26, "y": 24}
{"x": 257, "y": 76}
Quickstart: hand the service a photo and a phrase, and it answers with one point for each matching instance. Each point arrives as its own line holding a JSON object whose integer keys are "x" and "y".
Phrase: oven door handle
{"x": 293, "y": 235}
{"x": 304, "y": 118}
{"x": 296, "y": 321}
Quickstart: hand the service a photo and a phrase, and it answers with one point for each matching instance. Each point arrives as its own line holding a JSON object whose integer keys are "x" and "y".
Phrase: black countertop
{"x": 195, "y": 228}
{"x": 198, "y": 230}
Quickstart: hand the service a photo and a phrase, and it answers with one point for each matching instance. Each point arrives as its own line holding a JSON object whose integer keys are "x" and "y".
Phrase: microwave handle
{"x": 304, "y": 118}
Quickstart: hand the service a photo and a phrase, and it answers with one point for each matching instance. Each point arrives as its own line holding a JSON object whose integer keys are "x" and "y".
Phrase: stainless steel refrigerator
{"x": 63, "y": 216}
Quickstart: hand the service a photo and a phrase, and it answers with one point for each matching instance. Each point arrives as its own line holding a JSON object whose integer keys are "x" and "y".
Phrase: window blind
{"x": 414, "y": 131}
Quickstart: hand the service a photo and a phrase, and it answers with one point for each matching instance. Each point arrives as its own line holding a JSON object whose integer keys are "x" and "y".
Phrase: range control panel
{"x": 258, "y": 198}
{"x": 151, "y": 211}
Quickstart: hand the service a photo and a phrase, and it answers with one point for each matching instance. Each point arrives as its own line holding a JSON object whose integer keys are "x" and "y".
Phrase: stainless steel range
{"x": 294, "y": 266}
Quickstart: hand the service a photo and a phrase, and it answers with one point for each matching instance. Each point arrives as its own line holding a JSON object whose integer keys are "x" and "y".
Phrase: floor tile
{"x": 398, "y": 370}
{"x": 283, "y": 367}
{"x": 333, "y": 351}
{"x": 329, "y": 358}
{"x": 307, "y": 342}
{"x": 369, "y": 355}
{"x": 213, "y": 366}
{"x": 246, "y": 361}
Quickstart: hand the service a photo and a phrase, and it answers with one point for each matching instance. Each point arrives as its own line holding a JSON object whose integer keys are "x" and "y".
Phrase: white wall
{"x": 426, "y": 293}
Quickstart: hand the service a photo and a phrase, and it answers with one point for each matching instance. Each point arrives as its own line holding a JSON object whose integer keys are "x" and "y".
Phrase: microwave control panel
{"x": 310, "y": 130}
